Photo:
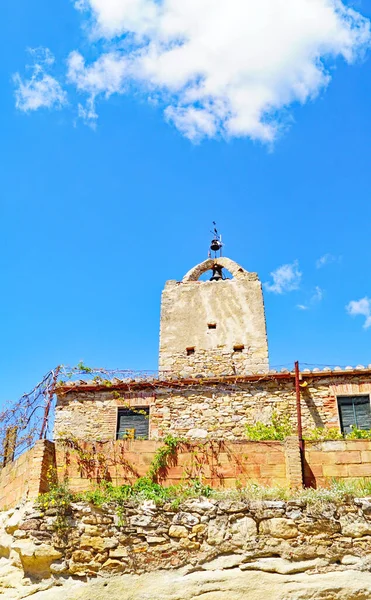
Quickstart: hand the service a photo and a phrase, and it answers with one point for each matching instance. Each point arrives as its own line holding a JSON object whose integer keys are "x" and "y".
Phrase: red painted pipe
{"x": 298, "y": 406}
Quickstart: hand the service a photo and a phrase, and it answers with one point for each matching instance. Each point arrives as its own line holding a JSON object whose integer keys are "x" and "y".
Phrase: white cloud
{"x": 286, "y": 278}
{"x": 302, "y": 307}
{"x": 317, "y": 295}
{"x": 361, "y": 307}
{"x": 315, "y": 299}
{"x": 327, "y": 259}
{"x": 226, "y": 67}
{"x": 41, "y": 89}
{"x": 106, "y": 76}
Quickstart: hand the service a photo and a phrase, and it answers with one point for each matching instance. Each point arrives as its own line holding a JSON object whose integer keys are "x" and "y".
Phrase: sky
{"x": 129, "y": 126}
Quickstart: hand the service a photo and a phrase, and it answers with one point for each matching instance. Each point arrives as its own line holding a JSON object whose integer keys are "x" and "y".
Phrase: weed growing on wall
{"x": 144, "y": 489}
{"x": 359, "y": 434}
{"x": 323, "y": 434}
{"x": 279, "y": 428}
{"x": 57, "y": 500}
{"x": 164, "y": 457}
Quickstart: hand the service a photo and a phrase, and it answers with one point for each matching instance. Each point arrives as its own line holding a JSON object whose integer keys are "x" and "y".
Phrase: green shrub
{"x": 59, "y": 498}
{"x": 145, "y": 489}
{"x": 322, "y": 434}
{"x": 279, "y": 429}
{"x": 359, "y": 434}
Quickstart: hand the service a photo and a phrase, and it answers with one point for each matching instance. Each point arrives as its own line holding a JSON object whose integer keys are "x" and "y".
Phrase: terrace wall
{"x": 26, "y": 477}
{"x": 340, "y": 459}
{"x": 219, "y": 464}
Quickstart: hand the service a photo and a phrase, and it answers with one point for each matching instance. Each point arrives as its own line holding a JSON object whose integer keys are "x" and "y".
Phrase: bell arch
{"x": 234, "y": 268}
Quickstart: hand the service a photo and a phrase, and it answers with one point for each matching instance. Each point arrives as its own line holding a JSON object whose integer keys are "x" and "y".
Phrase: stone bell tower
{"x": 213, "y": 328}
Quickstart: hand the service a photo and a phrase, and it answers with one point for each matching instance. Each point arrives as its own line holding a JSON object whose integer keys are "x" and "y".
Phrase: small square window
{"x": 211, "y": 325}
{"x": 238, "y": 348}
{"x": 356, "y": 411}
{"x": 190, "y": 351}
{"x": 133, "y": 423}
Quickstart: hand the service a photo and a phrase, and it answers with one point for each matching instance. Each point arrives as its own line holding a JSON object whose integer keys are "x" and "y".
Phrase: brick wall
{"x": 213, "y": 410}
{"x": 26, "y": 477}
{"x": 217, "y": 463}
{"x": 343, "y": 459}
{"x": 220, "y": 464}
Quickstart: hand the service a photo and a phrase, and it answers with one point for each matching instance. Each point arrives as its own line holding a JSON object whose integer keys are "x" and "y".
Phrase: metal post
{"x": 50, "y": 394}
{"x": 9, "y": 444}
{"x": 298, "y": 406}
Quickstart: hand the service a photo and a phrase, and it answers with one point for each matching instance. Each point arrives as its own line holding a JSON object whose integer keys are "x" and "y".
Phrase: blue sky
{"x": 112, "y": 173}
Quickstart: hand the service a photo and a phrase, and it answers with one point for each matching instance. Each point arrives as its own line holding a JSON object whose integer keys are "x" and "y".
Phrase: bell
{"x": 217, "y": 273}
{"x": 215, "y": 245}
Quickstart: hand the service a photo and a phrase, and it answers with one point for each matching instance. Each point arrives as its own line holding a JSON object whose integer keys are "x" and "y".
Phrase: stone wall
{"x": 26, "y": 477}
{"x": 207, "y": 409}
{"x": 218, "y": 464}
{"x": 200, "y": 536}
{"x": 212, "y": 328}
{"x": 338, "y": 459}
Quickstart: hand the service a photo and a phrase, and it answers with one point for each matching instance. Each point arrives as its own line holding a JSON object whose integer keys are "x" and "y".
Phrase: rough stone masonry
{"x": 213, "y": 328}
{"x": 213, "y": 371}
{"x": 204, "y": 542}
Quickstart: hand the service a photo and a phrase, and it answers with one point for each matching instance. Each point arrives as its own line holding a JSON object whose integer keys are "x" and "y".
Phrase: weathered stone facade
{"x": 214, "y": 376}
{"x": 213, "y": 328}
{"x": 209, "y": 408}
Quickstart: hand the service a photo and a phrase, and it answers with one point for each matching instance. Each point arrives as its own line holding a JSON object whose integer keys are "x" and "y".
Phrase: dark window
{"x": 190, "y": 351}
{"x": 212, "y": 325}
{"x": 133, "y": 424}
{"x": 354, "y": 410}
{"x": 238, "y": 348}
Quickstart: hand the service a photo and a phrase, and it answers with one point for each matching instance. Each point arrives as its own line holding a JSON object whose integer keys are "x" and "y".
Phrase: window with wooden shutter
{"x": 133, "y": 424}
{"x": 354, "y": 410}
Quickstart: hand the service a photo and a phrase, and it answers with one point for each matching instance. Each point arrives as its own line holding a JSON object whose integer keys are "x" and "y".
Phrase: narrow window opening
{"x": 133, "y": 424}
{"x": 238, "y": 348}
{"x": 190, "y": 351}
{"x": 354, "y": 411}
{"x": 211, "y": 325}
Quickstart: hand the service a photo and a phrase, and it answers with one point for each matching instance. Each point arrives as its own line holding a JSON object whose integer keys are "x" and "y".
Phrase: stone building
{"x": 216, "y": 327}
{"x": 213, "y": 373}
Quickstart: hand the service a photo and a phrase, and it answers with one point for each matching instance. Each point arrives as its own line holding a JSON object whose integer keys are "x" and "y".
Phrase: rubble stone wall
{"x": 201, "y": 534}
{"x": 206, "y": 410}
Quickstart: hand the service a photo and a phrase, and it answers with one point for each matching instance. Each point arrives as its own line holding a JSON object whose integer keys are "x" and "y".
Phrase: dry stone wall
{"x": 201, "y": 535}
